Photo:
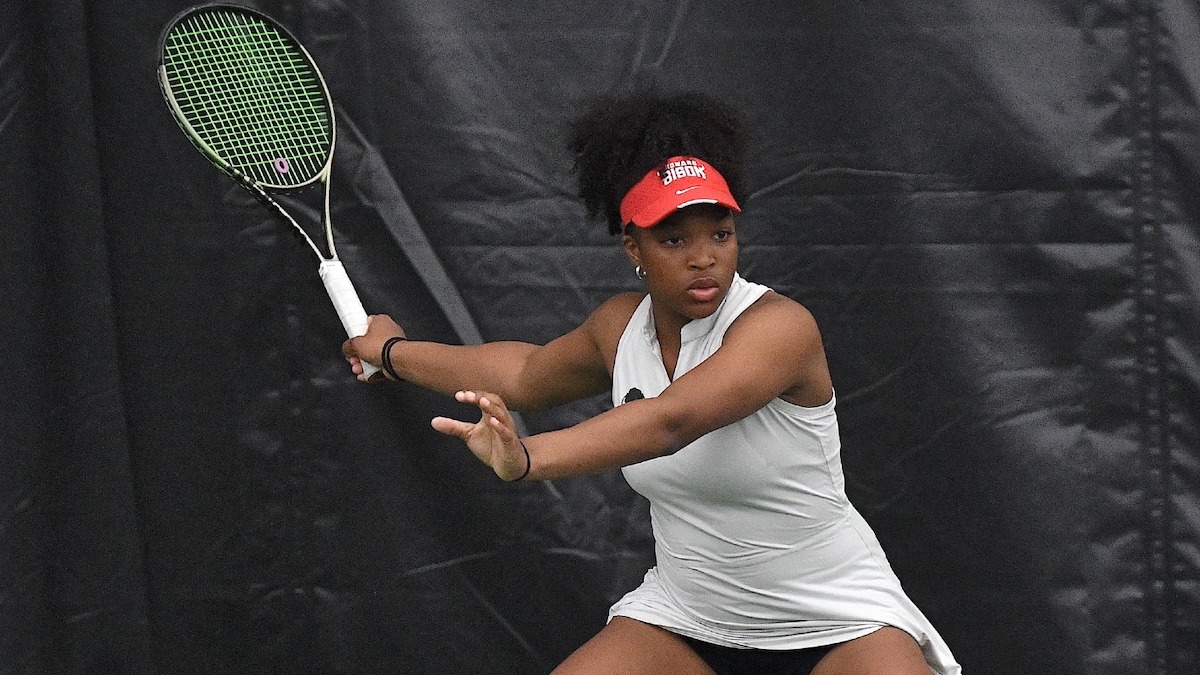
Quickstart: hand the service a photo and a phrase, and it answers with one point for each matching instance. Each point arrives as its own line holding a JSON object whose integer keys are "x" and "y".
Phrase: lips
{"x": 703, "y": 289}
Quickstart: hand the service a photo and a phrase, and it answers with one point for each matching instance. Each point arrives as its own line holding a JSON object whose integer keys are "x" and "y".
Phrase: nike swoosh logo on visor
{"x": 694, "y": 187}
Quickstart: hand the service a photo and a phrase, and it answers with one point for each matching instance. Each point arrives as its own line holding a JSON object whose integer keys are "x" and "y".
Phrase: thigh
{"x": 629, "y": 647}
{"x": 887, "y": 651}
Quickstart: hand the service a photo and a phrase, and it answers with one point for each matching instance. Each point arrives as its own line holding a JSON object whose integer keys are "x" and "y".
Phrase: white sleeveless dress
{"x": 756, "y": 544}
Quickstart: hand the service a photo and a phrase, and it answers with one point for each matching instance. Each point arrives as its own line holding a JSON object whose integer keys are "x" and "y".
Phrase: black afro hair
{"x": 619, "y": 139}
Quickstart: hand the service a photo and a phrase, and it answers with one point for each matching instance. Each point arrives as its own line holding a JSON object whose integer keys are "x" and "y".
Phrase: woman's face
{"x": 689, "y": 260}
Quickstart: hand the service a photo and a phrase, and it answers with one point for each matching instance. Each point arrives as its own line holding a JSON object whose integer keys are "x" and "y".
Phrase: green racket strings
{"x": 250, "y": 95}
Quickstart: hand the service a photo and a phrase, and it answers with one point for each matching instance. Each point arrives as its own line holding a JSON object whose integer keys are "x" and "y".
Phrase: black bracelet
{"x": 528, "y": 462}
{"x": 386, "y": 357}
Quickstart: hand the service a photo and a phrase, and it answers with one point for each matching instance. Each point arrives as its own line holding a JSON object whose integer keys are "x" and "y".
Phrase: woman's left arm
{"x": 773, "y": 349}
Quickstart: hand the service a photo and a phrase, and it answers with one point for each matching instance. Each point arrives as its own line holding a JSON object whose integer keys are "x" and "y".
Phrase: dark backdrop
{"x": 989, "y": 206}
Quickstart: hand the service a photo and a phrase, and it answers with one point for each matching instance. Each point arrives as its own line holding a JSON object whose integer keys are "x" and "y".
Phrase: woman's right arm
{"x": 526, "y": 376}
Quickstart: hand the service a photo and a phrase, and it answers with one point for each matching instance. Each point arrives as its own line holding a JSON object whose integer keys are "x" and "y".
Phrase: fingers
{"x": 353, "y": 349}
{"x": 495, "y": 417}
{"x": 452, "y": 427}
{"x": 356, "y": 367}
{"x": 482, "y": 399}
{"x": 491, "y": 406}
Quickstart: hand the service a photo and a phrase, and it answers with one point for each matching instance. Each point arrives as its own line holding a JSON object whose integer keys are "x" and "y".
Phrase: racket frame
{"x": 256, "y": 187}
{"x": 331, "y": 271}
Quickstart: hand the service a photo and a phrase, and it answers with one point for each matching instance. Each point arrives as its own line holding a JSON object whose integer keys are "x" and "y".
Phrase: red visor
{"x": 678, "y": 182}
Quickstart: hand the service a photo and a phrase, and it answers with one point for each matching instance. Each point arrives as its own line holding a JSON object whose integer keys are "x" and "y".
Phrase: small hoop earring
{"x": 639, "y": 272}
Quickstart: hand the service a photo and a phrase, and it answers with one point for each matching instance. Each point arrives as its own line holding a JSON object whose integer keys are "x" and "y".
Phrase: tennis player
{"x": 723, "y": 418}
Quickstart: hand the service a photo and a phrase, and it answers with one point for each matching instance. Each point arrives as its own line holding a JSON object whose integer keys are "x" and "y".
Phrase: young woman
{"x": 723, "y": 417}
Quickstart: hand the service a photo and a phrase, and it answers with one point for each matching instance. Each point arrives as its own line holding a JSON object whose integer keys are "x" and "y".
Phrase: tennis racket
{"x": 252, "y": 100}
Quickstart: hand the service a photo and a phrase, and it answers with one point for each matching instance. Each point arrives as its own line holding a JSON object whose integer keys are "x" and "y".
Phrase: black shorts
{"x": 731, "y": 661}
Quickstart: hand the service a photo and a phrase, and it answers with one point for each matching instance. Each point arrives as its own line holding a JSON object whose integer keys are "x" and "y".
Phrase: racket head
{"x": 248, "y": 96}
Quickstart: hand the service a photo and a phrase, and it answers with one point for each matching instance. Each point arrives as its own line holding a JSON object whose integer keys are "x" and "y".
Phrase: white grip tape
{"x": 345, "y": 301}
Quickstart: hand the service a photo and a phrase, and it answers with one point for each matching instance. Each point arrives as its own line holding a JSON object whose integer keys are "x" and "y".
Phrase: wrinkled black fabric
{"x": 990, "y": 208}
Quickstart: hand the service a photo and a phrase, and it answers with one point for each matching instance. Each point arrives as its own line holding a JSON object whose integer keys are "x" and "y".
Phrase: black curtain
{"x": 989, "y": 207}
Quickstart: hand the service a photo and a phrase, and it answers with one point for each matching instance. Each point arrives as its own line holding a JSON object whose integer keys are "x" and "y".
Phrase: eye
{"x": 722, "y": 235}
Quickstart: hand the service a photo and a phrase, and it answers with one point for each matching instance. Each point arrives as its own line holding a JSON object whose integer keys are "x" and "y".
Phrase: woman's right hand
{"x": 369, "y": 346}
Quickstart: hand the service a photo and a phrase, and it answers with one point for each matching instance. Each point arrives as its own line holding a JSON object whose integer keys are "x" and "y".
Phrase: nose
{"x": 702, "y": 257}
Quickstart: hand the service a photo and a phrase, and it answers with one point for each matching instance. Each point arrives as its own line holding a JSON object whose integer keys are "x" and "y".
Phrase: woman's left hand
{"x": 493, "y": 439}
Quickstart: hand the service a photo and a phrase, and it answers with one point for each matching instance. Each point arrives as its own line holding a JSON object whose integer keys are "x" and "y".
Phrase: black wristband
{"x": 386, "y": 357}
{"x": 528, "y": 462}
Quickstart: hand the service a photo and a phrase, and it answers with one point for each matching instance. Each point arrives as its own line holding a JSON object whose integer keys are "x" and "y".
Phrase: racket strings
{"x": 251, "y": 95}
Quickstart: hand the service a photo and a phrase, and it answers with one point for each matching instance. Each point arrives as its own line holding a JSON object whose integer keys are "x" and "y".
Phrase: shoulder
{"x": 613, "y": 314}
{"x": 618, "y": 308}
{"x": 608, "y": 321}
{"x": 779, "y": 311}
{"x": 775, "y": 322}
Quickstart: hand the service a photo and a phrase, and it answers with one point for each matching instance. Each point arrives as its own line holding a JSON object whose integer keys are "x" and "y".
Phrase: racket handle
{"x": 345, "y": 301}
